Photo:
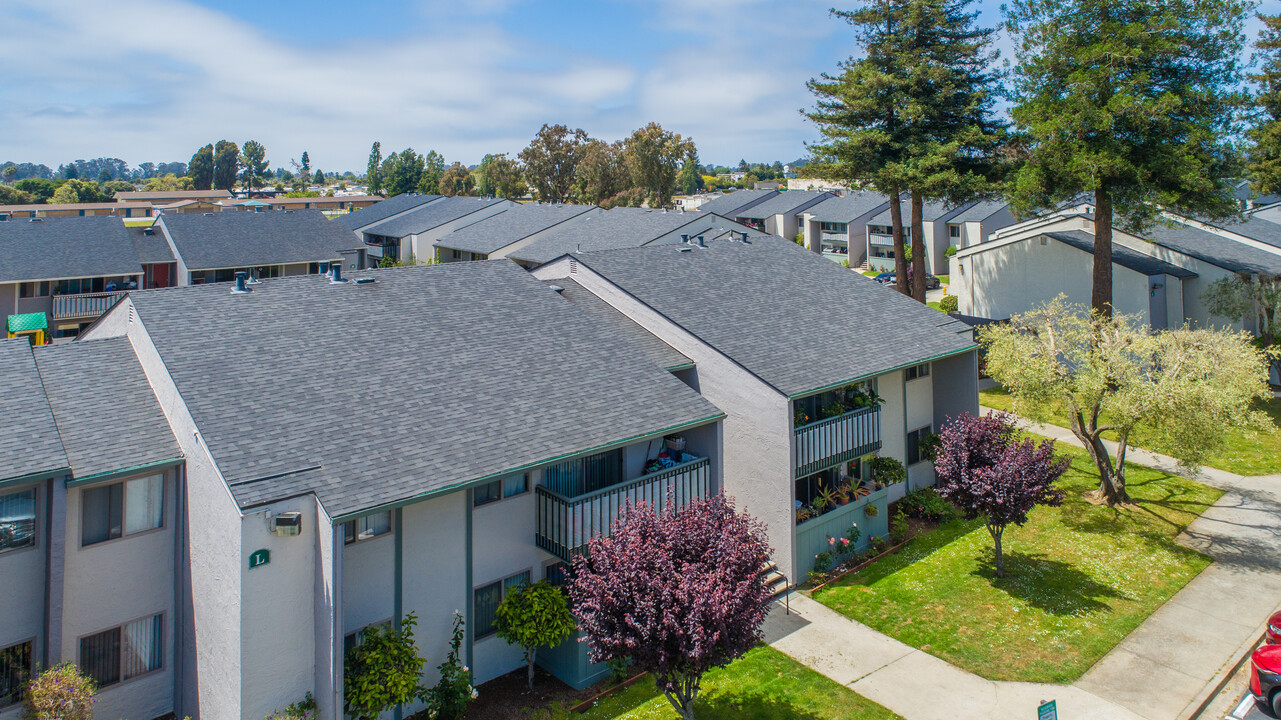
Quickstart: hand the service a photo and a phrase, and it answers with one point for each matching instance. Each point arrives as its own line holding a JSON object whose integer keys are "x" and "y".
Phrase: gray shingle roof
{"x": 515, "y": 223}
{"x": 930, "y": 212}
{"x": 260, "y": 374}
{"x": 791, "y": 317}
{"x": 1122, "y": 255}
{"x": 71, "y": 247}
{"x": 980, "y": 211}
{"x": 384, "y": 209}
{"x": 729, "y": 205}
{"x": 620, "y": 228}
{"x": 29, "y": 441}
{"x": 1255, "y": 228}
{"x": 847, "y": 208}
{"x": 104, "y": 407}
{"x": 247, "y": 239}
{"x": 786, "y": 203}
{"x": 151, "y": 248}
{"x": 621, "y": 326}
{"x": 424, "y": 218}
{"x": 1215, "y": 249}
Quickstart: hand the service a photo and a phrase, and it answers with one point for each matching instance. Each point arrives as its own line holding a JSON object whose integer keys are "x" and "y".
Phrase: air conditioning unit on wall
{"x": 286, "y": 523}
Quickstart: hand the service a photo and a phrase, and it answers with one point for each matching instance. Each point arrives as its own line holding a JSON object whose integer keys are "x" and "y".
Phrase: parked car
{"x": 1265, "y": 677}
{"x": 885, "y": 278}
{"x": 1272, "y": 634}
{"x": 931, "y": 282}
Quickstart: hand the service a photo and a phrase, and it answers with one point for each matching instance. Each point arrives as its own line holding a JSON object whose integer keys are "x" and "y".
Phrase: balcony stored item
{"x": 674, "y": 442}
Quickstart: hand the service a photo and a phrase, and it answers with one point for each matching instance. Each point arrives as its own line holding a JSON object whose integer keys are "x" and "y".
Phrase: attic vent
{"x": 573, "y": 266}
{"x": 557, "y": 288}
{"x": 207, "y": 214}
{"x": 1045, "y": 240}
{"x": 685, "y": 249}
{"x": 148, "y": 231}
{"x": 365, "y": 281}
{"x": 36, "y": 219}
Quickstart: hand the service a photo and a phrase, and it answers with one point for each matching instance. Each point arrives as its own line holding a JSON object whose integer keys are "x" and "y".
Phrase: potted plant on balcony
{"x": 843, "y": 493}
{"x": 800, "y": 417}
{"x": 888, "y": 471}
{"x": 826, "y": 500}
{"x": 803, "y": 513}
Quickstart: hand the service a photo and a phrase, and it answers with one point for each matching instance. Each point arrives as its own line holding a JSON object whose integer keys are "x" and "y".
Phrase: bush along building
{"x": 256, "y": 502}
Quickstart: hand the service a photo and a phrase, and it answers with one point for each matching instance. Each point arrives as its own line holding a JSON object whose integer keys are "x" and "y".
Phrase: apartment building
{"x": 499, "y": 234}
{"x": 1160, "y": 276}
{"x": 830, "y": 224}
{"x": 212, "y": 247}
{"x": 731, "y": 204}
{"x": 411, "y": 234}
{"x": 818, "y": 369}
{"x": 781, "y": 214}
{"x": 384, "y": 210}
{"x": 59, "y": 274}
{"x": 61, "y": 210}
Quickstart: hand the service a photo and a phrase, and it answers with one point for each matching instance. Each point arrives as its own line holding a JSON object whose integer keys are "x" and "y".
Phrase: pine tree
{"x": 1265, "y": 154}
{"x": 253, "y": 158}
{"x": 304, "y": 167}
{"x": 861, "y": 112}
{"x": 226, "y": 164}
{"x": 373, "y": 173}
{"x": 1130, "y": 101}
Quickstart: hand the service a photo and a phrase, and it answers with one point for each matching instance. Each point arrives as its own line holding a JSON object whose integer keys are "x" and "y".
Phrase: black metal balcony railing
{"x": 836, "y": 440}
{"x": 91, "y": 305}
{"x": 566, "y": 524}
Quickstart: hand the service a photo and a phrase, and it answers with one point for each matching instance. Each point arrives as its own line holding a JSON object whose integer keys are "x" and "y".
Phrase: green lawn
{"x": 871, "y": 273}
{"x": 140, "y": 222}
{"x": 764, "y": 684}
{"x": 1245, "y": 452}
{"x": 1078, "y": 579}
{"x": 934, "y": 304}
{"x": 945, "y": 279}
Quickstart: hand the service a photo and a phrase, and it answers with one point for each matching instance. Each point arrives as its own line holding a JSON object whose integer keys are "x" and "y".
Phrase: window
{"x": 914, "y": 439}
{"x": 456, "y": 255}
{"x": 353, "y": 639}
{"x": 17, "y": 520}
{"x": 78, "y": 286}
{"x": 124, "y": 652}
{"x": 499, "y": 489}
{"x": 33, "y": 289}
{"x": 557, "y": 573}
{"x": 918, "y": 371}
{"x": 954, "y": 231}
{"x": 486, "y": 598}
{"x": 110, "y": 511}
{"x": 15, "y": 671}
{"x": 584, "y": 475}
{"x": 369, "y": 526}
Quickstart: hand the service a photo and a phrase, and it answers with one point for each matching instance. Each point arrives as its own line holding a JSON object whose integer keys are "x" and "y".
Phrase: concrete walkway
{"x": 1164, "y": 670}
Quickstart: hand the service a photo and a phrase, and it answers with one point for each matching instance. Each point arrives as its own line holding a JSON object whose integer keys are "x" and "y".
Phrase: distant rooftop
{"x": 171, "y": 195}
{"x": 428, "y": 216}
{"x": 384, "y": 209}
{"x": 784, "y": 203}
{"x": 729, "y": 205}
{"x": 846, "y": 208}
{"x": 1122, "y": 255}
{"x": 511, "y": 225}
{"x": 621, "y": 228}
{"x": 930, "y": 211}
{"x": 65, "y": 247}
{"x": 249, "y": 239}
{"x": 980, "y": 211}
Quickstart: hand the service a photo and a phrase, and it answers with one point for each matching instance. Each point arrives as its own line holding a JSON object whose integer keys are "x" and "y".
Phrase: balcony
{"x": 835, "y": 440}
{"x": 565, "y": 524}
{"x": 834, "y": 237}
{"x": 90, "y": 305}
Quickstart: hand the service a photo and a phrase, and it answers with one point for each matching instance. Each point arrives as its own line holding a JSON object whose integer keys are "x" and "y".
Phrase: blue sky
{"x": 152, "y": 80}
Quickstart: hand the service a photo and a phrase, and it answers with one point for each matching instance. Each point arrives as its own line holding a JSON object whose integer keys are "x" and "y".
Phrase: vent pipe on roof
{"x": 685, "y": 239}
{"x": 148, "y": 231}
{"x": 745, "y": 240}
{"x": 578, "y": 248}
{"x": 701, "y": 242}
{"x": 335, "y": 274}
{"x": 557, "y": 288}
{"x": 240, "y": 288}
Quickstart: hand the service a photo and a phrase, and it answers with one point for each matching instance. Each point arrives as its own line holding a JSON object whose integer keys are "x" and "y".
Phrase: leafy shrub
{"x": 59, "y": 693}
{"x": 950, "y": 251}
{"x": 304, "y": 709}
{"x": 887, "y": 470}
{"x": 898, "y": 526}
{"x": 383, "y": 670}
{"x": 448, "y": 700}
{"x": 620, "y": 669}
{"x": 949, "y": 304}
{"x": 925, "y": 504}
{"x": 532, "y": 616}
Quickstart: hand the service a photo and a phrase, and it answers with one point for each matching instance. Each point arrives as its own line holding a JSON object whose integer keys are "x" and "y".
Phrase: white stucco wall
{"x": 110, "y": 583}
{"x": 435, "y": 573}
{"x": 920, "y": 412}
{"x": 212, "y": 673}
{"x": 893, "y": 422}
{"x": 22, "y": 591}
{"x": 277, "y": 641}
{"x": 1015, "y": 277}
{"x": 1191, "y": 290}
{"x": 420, "y": 244}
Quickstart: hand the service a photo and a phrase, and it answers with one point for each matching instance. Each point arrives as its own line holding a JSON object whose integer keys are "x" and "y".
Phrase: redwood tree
{"x": 678, "y": 593}
{"x": 985, "y": 468}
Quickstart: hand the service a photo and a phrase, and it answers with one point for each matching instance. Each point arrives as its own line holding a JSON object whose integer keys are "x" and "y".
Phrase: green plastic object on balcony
{"x": 28, "y": 322}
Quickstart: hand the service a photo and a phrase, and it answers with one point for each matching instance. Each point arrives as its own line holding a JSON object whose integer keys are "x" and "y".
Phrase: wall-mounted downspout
{"x": 397, "y": 601}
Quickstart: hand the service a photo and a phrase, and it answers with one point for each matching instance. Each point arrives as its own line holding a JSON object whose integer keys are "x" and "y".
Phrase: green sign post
{"x": 1047, "y": 711}
{"x": 258, "y": 558}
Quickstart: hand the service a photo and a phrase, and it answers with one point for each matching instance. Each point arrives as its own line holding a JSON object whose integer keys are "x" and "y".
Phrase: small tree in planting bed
{"x": 679, "y": 593}
{"x": 532, "y": 616}
{"x": 987, "y": 470}
{"x": 383, "y": 670}
{"x": 60, "y": 693}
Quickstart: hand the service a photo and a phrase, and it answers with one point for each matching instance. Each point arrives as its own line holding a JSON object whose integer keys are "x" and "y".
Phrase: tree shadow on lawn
{"x": 724, "y": 706}
{"x": 1142, "y": 519}
{"x": 1053, "y": 586}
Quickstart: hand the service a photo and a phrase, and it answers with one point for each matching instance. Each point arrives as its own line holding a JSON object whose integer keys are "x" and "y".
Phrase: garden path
{"x": 1169, "y": 667}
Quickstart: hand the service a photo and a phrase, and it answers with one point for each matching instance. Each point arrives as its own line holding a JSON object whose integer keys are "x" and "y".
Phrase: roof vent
{"x": 685, "y": 239}
{"x": 685, "y": 249}
{"x": 36, "y": 219}
{"x": 240, "y": 288}
{"x": 557, "y": 288}
{"x": 253, "y": 278}
{"x": 701, "y": 242}
{"x": 207, "y": 214}
{"x": 366, "y": 281}
{"x": 335, "y": 274}
{"x": 578, "y": 249}
{"x": 148, "y": 230}
{"x": 745, "y": 240}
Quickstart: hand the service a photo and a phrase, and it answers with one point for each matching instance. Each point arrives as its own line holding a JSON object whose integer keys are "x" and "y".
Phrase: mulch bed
{"x": 509, "y": 696}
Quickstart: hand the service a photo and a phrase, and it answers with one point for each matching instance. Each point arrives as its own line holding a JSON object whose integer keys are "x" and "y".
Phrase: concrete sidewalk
{"x": 1164, "y": 670}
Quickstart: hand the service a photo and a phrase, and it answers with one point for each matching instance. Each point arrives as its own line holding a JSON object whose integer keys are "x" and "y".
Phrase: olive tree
{"x": 1180, "y": 388}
